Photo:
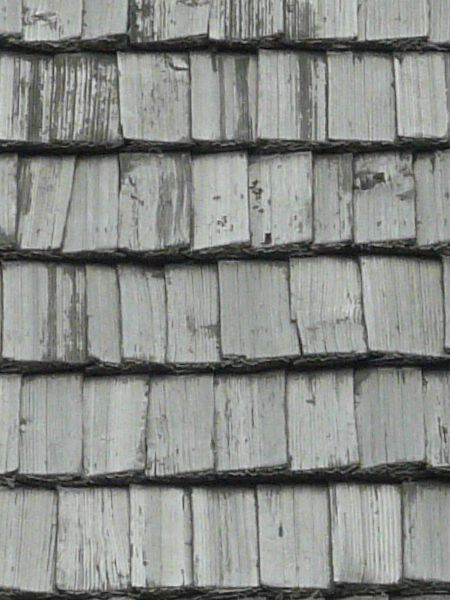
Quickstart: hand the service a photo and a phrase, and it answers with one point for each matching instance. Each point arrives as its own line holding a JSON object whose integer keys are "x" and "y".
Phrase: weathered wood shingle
{"x": 393, "y": 19}
{"x": 9, "y": 422}
{"x": 10, "y": 18}
{"x": 9, "y": 194}
{"x": 51, "y": 20}
{"x": 243, "y": 21}
{"x": 439, "y": 21}
{"x": 321, "y": 19}
{"x": 436, "y": 400}
{"x": 104, "y": 19}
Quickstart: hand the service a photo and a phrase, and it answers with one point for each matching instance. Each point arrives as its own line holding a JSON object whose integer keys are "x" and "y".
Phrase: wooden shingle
{"x": 436, "y": 400}
{"x": 220, "y": 200}
{"x": 390, "y": 418}
{"x": 392, "y": 19}
{"x": 321, "y": 19}
{"x": 361, "y": 97}
{"x": 9, "y": 196}
{"x": 250, "y": 421}
{"x": 321, "y": 420}
{"x": 50, "y": 425}
{"x": 223, "y": 96}
{"x": 446, "y": 285}
{"x": 154, "y": 96}
{"x": 9, "y": 422}
{"x": 225, "y": 545}
{"x": 326, "y": 303}
{"x": 161, "y": 537}
{"x": 439, "y": 21}
{"x": 10, "y": 18}
{"x": 280, "y": 189}
{"x": 154, "y": 202}
{"x": 384, "y": 198}
{"x": 93, "y": 547}
{"x": 181, "y": 410}
{"x": 366, "y": 533}
{"x": 243, "y": 21}
{"x": 294, "y": 537}
{"x": 256, "y": 325}
{"x": 403, "y": 305}
{"x": 27, "y": 543}
{"x": 104, "y": 19}
{"x": 193, "y": 314}
{"x": 291, "y": 95}
{"x": 51, "y": 20}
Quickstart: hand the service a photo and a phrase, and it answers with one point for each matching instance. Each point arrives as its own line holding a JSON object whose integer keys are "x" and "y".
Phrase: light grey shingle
{"x": 321, "y": 19}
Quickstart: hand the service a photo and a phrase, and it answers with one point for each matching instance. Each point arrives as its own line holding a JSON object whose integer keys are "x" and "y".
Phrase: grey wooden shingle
{"x": 294, "y": 537}
{"x": 439, "y": 21}
{"x": 50, "y": 431}
{"x": 161, "y": 537}
{"x": 225, "y": 545}
{"x": 361, "y": 97}
{"x": 321, "y": 420}
{"x": 436, "y": 399}
{"x": 326, "y": 303}
{"x": 392, "y": 19}
{"x": 10, "y": 18}
{"x": 446, "y": 286}
{"x": 241, "y": 20}
{"x": 223, "y": 96}
{"x": 291, "y": 95}
{"x": 366, "y": 533}
{"x": 93, "y": 547}
{"x": 321, "y": 19}
{"x": 9, "y": 195}
{"x": 281, "y": 193}
{"x": 154, "y": 96}
{"x": 104, "y": 19}
{"x": 181, "y": 410}
{"x": 256, "y": 325}
{"x": 51, "y": 20}
{"x": 250, "y": 421}
{"x": 9, "y": 422}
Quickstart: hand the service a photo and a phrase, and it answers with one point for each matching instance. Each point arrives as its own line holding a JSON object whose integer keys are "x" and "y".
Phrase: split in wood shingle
{"x": 393, "y": 19}
{"x": 8, "y": 193}
{"x": 104, "y": 19}
{"x": 439, "y": 21}
{"x": 321, "y": 19}
{"x": 10, "y": 18}
{"x": 436, "y": 400}
{"x": 244, "y": 20}
{"x": 9, "y": 422}
{"x": 51, "y": 20}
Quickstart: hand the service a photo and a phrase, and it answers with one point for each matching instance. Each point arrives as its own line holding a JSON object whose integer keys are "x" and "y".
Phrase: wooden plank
{"x": 390, "y": 418}
{"x": 103, "y": 314}
{"x": 326, "y": 303}
{"x": 291, "y": 95}
{"x": 366, "y": 529}
{"x": 294, "y": 536}
{"x": 333, "y": 198}
{"x": 250, "y": 421}
{"x": 143, "y": 313}
{"x": 50, "y": 425}
{"x": 93, "y": 549}
{"x": 403, "y": 305}
{"x": 10, "y": 18}
{"x": 393, "y": 19}
{"x": 85, "y": 99}
{"x": 436, "y": 392}
{"x": 114, "y": 423}
{"x": 154, "y": 96}
{"x": 431, "y": 172}
{"x": 193, "y": 314}
{"x": 321, "y": 19}
{"x": 280, "y": 199}
{"x": 104, "y": 19}
{"x": 223, "y": 96}
{"x": 255, "y": 325}
{"x": 161, "y": 536}
{"x": 384, "y": 198}
{"x": 439, "y": 22}
{"x": 421, "y": 94}
{"x": 154, "y": 201}
{"x": 9, "y": 422}
{"x": 240, "y": 20}
{"x": 27, "y": 545}
{"x": 220, "y": 200}
{"x": 321, "y": 420}
{"x": 225, "y": 545}
{"x": 361, "y": 97}
{"x": 9, "y": 196}
{"x": 44, "y": 188}
{"x": 446, "y": 286}
{"x": 51, "y": 20}
{"x": 426, "y": 553}
{"x": 181, "y": 409}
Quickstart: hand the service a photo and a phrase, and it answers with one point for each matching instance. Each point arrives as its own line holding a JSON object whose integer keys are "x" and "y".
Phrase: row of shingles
{"x": 387, "y": 420}
{"x": 153, "y": 537}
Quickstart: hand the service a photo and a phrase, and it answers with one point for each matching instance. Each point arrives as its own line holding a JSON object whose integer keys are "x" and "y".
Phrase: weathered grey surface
{"x": 321, "y": 19}
{"x": 104, "y": 19}
{"x": 10, "y": 18}
{"x": 446, "y": 290}
{"x": 392, "y": 19}
{"x": 432, "y": 178}
{"x": 51, "y": 20}
{"x": 436, "y": 399}
{"x": 9, "y": 195}
{"x": 9, "y": 422}
{"x": 245, "y": 21}
{"x": 439, "y": 21}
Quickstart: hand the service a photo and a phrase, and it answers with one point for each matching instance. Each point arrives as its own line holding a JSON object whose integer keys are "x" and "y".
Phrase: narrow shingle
{"x": 321, "y": 19}
{"x": 244, "y": 21}
{"x": 9, "y": 196}
{"x": 51, "y": 20}
{"x": 439, "y": 21}
{"x": 436, "y": 399}
{"x": 9, "y": 422}
{"x": 10, "y": 18}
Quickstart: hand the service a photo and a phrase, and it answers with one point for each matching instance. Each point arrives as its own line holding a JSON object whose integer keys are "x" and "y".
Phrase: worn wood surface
{"x": 245, "y": 20}
{"x": 321, "y": 19}
{"x": 51, "y": 20}
{"x": 103, "y": 19}
{"x": 432, "y": 178}
{"x": 10, "y": 18}
{"x": 9, "y": 422}
{"x": 436, "y": 400}
{"x": 9, "y": 194}
{"x": 393, "y": 19}
{"x": 439, "y": 21}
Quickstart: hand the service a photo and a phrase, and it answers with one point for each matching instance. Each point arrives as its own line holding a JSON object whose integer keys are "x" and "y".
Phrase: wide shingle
{"x": 51, "y": 20}
{"x": 244, "y": 21}
{"x": 321, "y": 19}
{"x": 392, "y": 19}
{"x": 104, "y": 19}
{"x": 10, "y": 18}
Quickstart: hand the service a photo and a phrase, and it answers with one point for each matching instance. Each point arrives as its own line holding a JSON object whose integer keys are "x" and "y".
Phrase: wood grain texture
{"x": 291, "y": 95}
{"x": 155, "y": 201}
{"x": 361, "y": 97}
{"x": 436, "y": 399}
{"x": 9, "y": 422}
{"x": 220, "y": 200}
{"x": 280, "y": 188}
{"x": 439, "y": 21}
{"x": 50, "y": 425}
{"x": 225, "y": 545}
{"x": 321, "y": 420}
{"x": 366, "y": 529}
{"x": 390, "y": 417}
{"x": 9, "y": 195}
{"x": 143, "y": 313}
{"x": 51, "y": 20}
{"x": 223, "y": 96}
{"x": 256, "y": 325}
{"x": 294, "y": 537}
{"x": 432, "y": 178}
{"x": 403, "y": 305}
{"x": 93, "y": 547}
{"x": 104, "y": 19}
{"x": 326, "y": 303}
{"x": 154, "y": 96}
{"x": 241, "y": 20}
{"x": 161, "y": 537}
{"x": 446, "y": 290}
{"x": 250, "y": 421}
{"x": 193, "y": 314}
{"x": 321, "y": 19}
{"x": 181, "y": 411}
{"x": 10, "y": 18}
{"x": 384, "y": 198}
{"x": 393, "y": 19}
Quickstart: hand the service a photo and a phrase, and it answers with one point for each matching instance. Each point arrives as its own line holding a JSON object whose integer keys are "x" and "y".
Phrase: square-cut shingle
{"x": 51, "y": 20}
{"x": 439, "y": 21}
{"x": 104, "y": 19}
{"x": 393, "y": 19}
{"x": 9, "y": 195}
{"x": 294, "y": 536}
{"x": 436, "y": 399}
{"x": 321, "y": 19}
{"x": 255, "y": 322}
{"x": 446, "y": 284}
{"x": 243, "y": 21}
{"x": 10, "y": 18}
{"x": 9, "y": 422}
